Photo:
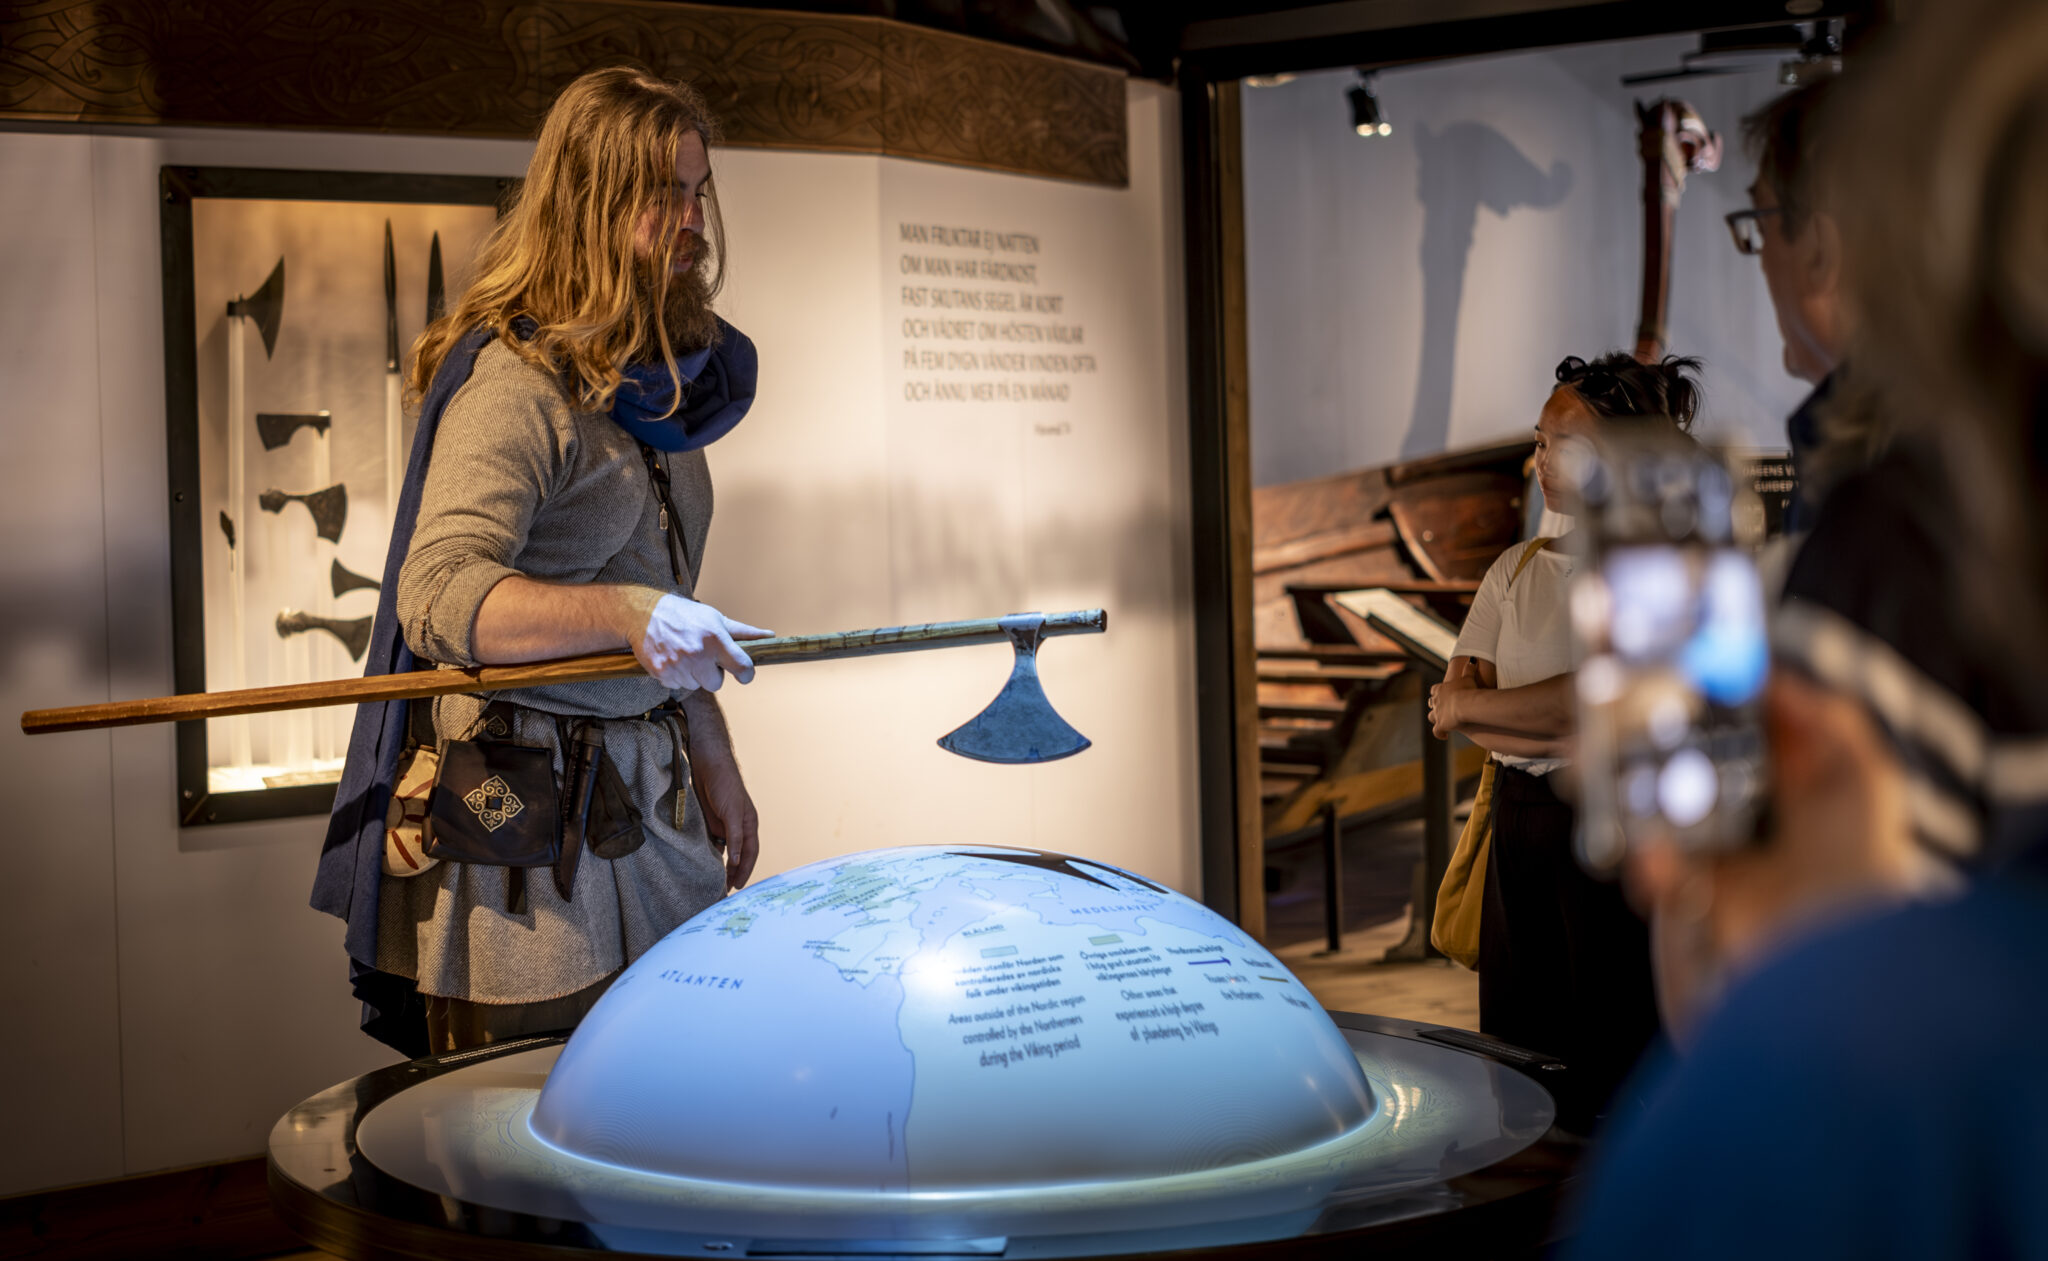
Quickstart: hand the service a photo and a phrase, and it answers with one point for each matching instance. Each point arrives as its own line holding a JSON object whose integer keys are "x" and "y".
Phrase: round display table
{"x": 433, "y": 1159}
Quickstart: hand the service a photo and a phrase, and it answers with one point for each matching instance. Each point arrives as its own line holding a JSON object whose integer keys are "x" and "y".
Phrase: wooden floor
{"x": 1437, "y": 991}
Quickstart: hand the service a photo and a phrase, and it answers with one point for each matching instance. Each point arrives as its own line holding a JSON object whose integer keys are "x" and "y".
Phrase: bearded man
{"x": 557, "y": 503}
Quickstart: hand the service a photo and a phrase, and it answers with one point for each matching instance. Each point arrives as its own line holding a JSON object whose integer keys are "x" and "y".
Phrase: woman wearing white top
{"x": 1564, "y": 964}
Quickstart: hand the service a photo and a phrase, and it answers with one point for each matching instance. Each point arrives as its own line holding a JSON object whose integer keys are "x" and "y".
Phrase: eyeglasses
{"x": 1748, "y": 233}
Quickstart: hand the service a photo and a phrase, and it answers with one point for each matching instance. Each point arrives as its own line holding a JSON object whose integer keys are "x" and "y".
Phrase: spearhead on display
{"x": 1019, "y": 725}
{"x": 390, "y": 302}
{"x": 266, "y": 307}
{"x": 437, "y": 297}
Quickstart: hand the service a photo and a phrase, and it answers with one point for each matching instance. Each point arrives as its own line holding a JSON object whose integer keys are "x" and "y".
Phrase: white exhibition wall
{"x": 1413, "y": 292}
{"x": 170, "y": 993}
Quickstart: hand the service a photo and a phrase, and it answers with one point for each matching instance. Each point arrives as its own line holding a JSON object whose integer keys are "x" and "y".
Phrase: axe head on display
{"x": 1020, "y": 724}
{"x": 266, "y": 307}
{"x": 353, "y": 633}
{"x": 329, "y": 508}
{"x": 346, "y": 580}
{"x": 276, "y": 428}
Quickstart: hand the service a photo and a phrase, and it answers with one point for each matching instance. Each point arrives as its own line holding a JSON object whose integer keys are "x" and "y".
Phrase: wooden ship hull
{"x": 1339, "y": 705}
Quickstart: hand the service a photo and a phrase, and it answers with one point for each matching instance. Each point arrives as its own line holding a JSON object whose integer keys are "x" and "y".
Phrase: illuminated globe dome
{"x": 951, "y": 1019}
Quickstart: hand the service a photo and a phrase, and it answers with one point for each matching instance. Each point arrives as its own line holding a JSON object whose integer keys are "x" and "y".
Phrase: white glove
{"x": 690, "y": 645}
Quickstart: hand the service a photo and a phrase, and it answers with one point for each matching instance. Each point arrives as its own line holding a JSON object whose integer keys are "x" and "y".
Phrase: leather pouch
{"x": 599, "y": 812}
{"x": 613, "y": 830}
{"x": 494, "y": 802}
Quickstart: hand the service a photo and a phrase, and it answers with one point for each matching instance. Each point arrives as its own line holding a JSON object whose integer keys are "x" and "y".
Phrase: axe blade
{"x": 353, "y": 634}
{"x": 1020, "y": 725}
{"x": 276, "y": 428}
{"x": 330, "y": 511}
{"x": 329, "y": 508}
{"x": 266, "y": 307}
{"x": 346, "y": 580}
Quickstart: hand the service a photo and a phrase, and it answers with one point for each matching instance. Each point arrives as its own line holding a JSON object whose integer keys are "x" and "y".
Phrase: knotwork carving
{"x": 490, "y": 67}
{"x": 954, "y": 99}
{"x": 776, "y": 80}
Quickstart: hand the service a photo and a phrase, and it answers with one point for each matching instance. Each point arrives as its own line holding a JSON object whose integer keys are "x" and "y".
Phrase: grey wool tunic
{"x": 522, "y": 482}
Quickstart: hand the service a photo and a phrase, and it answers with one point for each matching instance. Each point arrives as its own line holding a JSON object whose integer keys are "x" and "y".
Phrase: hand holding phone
{"x": 1673, "y": 650}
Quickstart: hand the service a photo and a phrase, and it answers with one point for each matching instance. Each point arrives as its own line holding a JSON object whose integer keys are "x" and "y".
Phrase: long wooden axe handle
{"x": 603, "y": 665}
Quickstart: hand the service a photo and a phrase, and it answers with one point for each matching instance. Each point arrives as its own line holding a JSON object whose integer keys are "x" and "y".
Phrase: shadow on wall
{"x": 1462, "y": 167}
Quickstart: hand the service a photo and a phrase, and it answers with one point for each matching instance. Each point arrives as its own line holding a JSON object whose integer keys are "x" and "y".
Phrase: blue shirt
{"x": 1878, "y": 1091}
{"x": 1802, "y": 432}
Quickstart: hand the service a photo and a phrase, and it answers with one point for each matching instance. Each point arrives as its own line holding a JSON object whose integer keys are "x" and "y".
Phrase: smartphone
{"x": 1673, "y": 650}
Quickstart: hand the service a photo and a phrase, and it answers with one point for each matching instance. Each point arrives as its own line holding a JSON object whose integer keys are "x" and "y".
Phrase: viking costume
{"x": 508, "y": 477}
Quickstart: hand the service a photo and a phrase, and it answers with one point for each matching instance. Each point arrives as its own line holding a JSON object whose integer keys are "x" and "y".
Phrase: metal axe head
{"x": 1019, "y": 725}
{"x": 276, "y": 428}
{"x": 354, "y": 634}
{"x": 266, "y": 307}
{"x": 346, "y": 580}
{"x": 329, "y": 508}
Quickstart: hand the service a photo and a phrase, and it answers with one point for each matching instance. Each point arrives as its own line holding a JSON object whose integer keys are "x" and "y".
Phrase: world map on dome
{"x": 951, "y": 1018}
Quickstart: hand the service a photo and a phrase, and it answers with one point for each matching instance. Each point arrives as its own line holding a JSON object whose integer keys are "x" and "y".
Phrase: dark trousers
{"x": 456, "y": 1024}
{"x": 1564, "y": 962}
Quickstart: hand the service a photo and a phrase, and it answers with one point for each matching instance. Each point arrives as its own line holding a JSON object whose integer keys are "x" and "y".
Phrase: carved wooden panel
{"x": 394, "y": 66}
{"x": 955, "y": 99}
{"x": 776, "y": 80}
{"x": 490, "y": 67}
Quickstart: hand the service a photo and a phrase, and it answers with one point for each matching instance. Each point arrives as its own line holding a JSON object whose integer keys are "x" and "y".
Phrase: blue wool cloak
{"x": 719, "y": 389}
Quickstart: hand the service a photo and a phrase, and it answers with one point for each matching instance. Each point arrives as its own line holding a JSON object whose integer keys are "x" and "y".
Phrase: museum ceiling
{"x": 1149, "y": 37}
{"x": 957, "y": 81}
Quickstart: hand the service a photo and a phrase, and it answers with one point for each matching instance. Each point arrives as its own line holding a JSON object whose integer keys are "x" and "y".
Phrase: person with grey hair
{"x": 1867, "y": 1086}
{"x": 1868, "y": 606}
{"x": 1792, "y": 233}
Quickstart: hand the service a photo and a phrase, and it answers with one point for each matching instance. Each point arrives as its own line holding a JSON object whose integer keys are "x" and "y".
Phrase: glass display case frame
{"x": 301, "y": 541}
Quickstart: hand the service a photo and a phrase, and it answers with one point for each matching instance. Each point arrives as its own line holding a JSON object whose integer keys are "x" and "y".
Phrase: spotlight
{"x": 1365, "y": 110}
{"x": 1820, "y": 57}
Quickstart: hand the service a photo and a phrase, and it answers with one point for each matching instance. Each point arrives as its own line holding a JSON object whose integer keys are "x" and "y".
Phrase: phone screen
{"x": 1674, "y": 650}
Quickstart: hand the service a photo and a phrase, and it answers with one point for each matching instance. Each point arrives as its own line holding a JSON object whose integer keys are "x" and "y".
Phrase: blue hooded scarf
{"x": 718, "y": 388}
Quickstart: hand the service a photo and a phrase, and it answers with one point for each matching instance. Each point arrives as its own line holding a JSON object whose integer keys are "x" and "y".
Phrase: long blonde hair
{"x": 563, "y": 254}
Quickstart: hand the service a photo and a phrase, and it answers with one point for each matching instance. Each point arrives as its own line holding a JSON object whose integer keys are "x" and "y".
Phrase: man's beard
{"x": 687, "y": 314}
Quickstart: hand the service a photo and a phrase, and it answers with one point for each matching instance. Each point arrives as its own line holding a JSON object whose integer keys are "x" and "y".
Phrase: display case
{"x": 291, "y": 300}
